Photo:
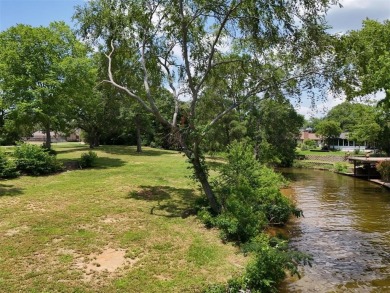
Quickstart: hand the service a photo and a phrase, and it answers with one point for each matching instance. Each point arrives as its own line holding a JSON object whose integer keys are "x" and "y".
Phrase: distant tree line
{"x": 362, "y": 123}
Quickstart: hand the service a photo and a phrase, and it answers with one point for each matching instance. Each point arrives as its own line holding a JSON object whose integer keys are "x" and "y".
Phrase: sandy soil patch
{"x": 112, "y": 219}
{"x": 110, "y": 261}
{"x": 35, "y": 208}
{"x": 17, "y": 230}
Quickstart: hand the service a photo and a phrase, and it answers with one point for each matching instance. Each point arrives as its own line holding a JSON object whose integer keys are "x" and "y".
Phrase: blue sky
{"x": 36, "y": 12}
{"x": 42, "y": 12}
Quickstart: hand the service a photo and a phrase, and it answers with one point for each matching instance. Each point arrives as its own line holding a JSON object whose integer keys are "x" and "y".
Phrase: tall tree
{"x": 32, "y": 73}
{"x": 276, "y": 46}
{"x": 275, "y": 128}
{"x": 328, "y": 129}
{"x": 363, "y": 122}
{"x": 363, "y": 68}
{"x": 349, "y": 114}
{"x": 363, "y": 60}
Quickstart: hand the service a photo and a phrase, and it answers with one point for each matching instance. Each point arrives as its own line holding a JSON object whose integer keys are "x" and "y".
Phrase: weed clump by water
{"x": 250, "y": 199}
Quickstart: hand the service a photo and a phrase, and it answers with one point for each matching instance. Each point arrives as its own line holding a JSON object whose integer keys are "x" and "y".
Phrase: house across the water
{"x": 341, "y": 143}
{"x": 307, "y": 135}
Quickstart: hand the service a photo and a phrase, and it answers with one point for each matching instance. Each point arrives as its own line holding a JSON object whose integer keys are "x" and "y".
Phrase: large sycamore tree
{"x": 264, "y": 48}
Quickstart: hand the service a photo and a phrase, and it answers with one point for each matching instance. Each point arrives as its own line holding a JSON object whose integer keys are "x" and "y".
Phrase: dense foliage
{"x": 328, "y": 129}
{"x": 384, "y": 169}
{"x": 275, "y": 126}
{"x": 250, "y": 197}
{"x": 363, "y": 60}
{"x": 7, "y": 167}
{"x": 42, "y": 69}
{"x": 88, "y": 160}
{"x": 362, "y": 69}
{"x": 34, "y": 160}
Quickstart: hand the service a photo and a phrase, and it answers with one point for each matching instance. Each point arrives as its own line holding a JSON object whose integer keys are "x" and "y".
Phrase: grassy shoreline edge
{"x": 56, "y": 230}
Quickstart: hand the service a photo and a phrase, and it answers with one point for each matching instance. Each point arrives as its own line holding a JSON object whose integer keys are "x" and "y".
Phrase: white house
{"x": 341, "y": 143}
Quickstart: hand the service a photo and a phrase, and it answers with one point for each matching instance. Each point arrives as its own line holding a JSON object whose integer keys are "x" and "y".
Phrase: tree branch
{"x": 152, "y": 103}
{"x": 210, "y": 64}
{"x": 126, "y": 90}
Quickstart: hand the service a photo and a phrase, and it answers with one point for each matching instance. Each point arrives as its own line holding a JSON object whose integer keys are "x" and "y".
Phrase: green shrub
{"x": 340, "y": 167}
{"x": 384, "y": 169}
{"x": 310, "y": 144}
{"x": 7, "y": 167}
{"x": 88, "y": 160}
{"x": 271, "y": 260}
{"x": 206, "y": 217}
{"x": 33, "y": 160}
{"x": 249, "y": 195}
{"x": 304, "y": 147}
{"x": 250, "y": 199}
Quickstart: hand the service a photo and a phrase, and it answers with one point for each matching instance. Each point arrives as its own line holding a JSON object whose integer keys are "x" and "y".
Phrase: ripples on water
{"x": 345, "y": 228}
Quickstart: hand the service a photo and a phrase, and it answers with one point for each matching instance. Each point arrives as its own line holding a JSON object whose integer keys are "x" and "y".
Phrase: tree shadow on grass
{"x": 9, "y": 190}
{"x": 105, "y": 162}
{"x": 101, "y": 163}
{"x": 131, "y": 151}
{"x": 214, "y": 165}
{"x": 73, "y": 149}
{"x": 170, "y": 201}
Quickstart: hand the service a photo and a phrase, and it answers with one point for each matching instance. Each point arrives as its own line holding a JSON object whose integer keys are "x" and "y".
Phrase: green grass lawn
{"x": 330, "y": 153}
{"x": 115, "y": 228}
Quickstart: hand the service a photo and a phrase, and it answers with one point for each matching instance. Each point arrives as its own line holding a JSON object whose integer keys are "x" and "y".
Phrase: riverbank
{"x": 380, "y": 182}
{"x": 339, "y": 167}
{"x": 376, "y": 181}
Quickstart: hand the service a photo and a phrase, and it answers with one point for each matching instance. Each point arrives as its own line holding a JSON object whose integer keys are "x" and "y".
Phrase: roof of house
{"x": 308, "y": 135}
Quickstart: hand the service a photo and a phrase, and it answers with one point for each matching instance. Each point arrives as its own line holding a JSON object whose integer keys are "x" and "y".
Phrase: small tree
{"x": 328, "y": 129}
{"x": 365, "y": 132}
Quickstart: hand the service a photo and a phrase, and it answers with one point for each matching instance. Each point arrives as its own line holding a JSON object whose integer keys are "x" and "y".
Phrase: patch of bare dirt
{"x": 17, "y": 230}
{"x": 163, "y": 277}
{"x": 112, "y": 219}
{"x": 110, "y": 261}
{"x": 66, "y": 251}
{"x": 35, "y": 208}
{"x": 57, "y": 240}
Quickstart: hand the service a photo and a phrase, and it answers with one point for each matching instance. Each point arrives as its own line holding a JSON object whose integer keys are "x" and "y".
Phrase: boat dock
{"x": 365, "y": 167}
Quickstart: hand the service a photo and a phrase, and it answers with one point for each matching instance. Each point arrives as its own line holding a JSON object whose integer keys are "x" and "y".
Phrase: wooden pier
{"x": 366, "y": 166}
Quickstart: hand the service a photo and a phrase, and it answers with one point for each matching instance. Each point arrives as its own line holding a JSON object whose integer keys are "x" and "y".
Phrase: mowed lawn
{"x": 120, "y": 227}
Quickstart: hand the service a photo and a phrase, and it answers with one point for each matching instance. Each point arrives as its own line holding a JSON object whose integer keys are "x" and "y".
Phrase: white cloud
{"x": 357, "y": 3}
{"x": 320, "y": 109}
{"x": 352, "y": 14}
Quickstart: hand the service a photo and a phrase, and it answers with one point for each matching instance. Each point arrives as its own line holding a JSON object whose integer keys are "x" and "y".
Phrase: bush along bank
{"x": 250, "y": 199}
{"x": 29, "y": 159}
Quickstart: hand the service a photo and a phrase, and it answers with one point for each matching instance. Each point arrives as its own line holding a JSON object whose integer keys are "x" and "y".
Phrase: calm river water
{"x": 346, "y": 228}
